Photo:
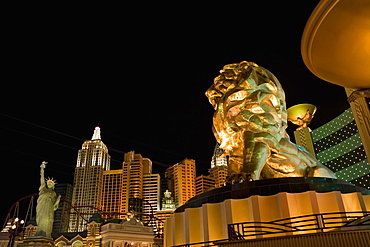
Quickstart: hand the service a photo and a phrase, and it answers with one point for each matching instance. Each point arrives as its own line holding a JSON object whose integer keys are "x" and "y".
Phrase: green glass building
{"x": 338, "y": 145}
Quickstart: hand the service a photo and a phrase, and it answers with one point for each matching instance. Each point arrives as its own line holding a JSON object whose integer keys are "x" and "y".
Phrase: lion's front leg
{"x": 234, "y": 168}
{"x": 235, "y": 161}
{"x": 255, "y": 157}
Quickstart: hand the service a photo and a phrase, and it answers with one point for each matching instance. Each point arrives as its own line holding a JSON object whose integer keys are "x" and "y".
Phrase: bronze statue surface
{"x": 249, "y": 123}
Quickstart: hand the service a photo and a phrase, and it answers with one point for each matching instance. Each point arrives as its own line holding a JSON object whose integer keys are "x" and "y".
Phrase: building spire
{"x": 96, "y": 135}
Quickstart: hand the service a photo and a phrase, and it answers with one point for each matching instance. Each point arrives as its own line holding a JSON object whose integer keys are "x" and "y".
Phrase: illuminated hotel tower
{"x": 218, "y": 167}
{"x": 204, "y": 183}
{"x": 167, "y": 209}
{"x": 134, "y": 168}
{"x": 151, "y": 193}
{"x": 92, "y": 160}
{"x": 123, "y": 189}
{"x": 181, "y": 181}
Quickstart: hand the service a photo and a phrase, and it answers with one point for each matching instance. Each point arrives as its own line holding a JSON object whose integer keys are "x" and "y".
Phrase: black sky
{"x": 140, "y": 73}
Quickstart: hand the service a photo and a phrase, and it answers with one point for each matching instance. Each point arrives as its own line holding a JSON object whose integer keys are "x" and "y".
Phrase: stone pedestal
{"x": 37, "y": 241}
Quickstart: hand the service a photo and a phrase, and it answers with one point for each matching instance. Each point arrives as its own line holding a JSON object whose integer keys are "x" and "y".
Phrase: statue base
{"x": 269, "y": 187}
{"x": 37, "y": 241}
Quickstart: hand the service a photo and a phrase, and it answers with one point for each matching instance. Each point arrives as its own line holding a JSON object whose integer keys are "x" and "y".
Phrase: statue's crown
{"x": 51, "y": 180}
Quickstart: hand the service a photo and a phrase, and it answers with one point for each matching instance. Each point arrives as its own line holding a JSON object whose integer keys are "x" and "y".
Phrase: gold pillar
{"x": 361, "y": 112}
{"x": 302, "y": 115}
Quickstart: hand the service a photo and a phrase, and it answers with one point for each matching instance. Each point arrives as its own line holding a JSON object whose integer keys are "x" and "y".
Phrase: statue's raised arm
{"x": 42, "y": 176}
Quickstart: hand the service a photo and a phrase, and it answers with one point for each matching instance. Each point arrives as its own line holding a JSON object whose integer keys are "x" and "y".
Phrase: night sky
{"x": 140, "y": 74}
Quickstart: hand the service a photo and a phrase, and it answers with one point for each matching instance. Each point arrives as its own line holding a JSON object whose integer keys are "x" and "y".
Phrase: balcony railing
{"x": 307, "y": 224}
{"x": 313, "y": 223}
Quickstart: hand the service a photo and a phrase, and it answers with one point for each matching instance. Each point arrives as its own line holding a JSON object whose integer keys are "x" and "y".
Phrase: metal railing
{"x": 208, "y": 243}
{"x": 313, "y": 223}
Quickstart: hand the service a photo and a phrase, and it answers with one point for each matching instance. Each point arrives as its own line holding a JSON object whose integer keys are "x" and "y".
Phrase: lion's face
{"x": 229, "y": 77}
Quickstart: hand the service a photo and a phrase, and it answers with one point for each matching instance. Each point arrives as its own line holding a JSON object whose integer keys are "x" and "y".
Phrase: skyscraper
{"x": 219, "y": 173}
{"x": 167, "y": 209}
{"x": 61, "y": 215}
{"x": 218, "y": 167}
{"x": 167, "y": 202}
{"x": 217, "y": 158}
{"x": 112, "y": 193}
{"x": 151, "y": 193}
{"x": 126, "y": 189}
{"x": 134, "y": 168}
{"x": 204, "y": 183}
{"x": 92, "y": 160}
{"x": 181, "y": 181}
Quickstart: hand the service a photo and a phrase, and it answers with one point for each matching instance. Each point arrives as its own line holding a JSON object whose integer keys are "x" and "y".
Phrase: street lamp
{"x": 16, "y": 230}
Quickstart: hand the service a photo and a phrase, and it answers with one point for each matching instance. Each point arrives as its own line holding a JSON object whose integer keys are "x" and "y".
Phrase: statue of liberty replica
{"x": 47, "y": 203}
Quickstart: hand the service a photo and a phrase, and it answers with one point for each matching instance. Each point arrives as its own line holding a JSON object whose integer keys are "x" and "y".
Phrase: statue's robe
{"x": 45, "y": 211}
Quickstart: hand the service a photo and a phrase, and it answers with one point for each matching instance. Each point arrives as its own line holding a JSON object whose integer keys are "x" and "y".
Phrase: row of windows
{"x": 333, "y": 126}
{"x": 338, "y": 145}
{"x": 336, "y": 137}
{"x": 341, "y": 148}
{"x": 363, "y": 181}
{"x": 346, "y": 160}
{"x": 353, "y": 172}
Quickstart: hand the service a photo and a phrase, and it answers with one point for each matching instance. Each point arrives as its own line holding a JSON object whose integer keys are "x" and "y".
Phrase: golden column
{"x": 302, "y": 115}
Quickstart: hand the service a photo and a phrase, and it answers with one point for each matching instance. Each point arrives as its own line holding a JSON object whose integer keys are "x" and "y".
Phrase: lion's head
{"x": 246, "y": 97}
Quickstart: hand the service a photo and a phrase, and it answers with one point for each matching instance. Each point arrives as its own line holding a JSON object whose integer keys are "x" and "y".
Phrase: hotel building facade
{"x": 204, "y": 183}
{"x": 132, "y": 188}
{"x": 113, "y": 193}
{"x": 218, "y": 167}
{"x": 339, "y": 146}
{"x": 181, "y": 181}
{"x": 93, "y": 159}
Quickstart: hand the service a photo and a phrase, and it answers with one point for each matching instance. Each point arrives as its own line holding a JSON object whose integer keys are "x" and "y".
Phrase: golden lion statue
{"x": 249, "y": 123}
